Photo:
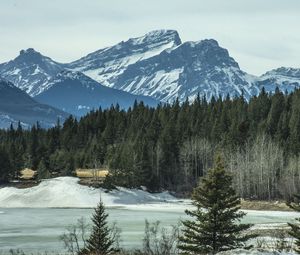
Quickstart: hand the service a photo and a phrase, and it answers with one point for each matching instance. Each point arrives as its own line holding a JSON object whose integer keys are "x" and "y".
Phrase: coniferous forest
{"x": 171, "y": 146}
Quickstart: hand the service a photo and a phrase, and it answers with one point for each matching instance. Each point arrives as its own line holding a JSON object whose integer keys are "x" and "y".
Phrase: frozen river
{"x": 33, "y": 219}
{"x": 38, "y": 229}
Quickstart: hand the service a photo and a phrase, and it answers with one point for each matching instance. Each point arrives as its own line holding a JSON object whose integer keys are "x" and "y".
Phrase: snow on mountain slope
{"x": 106, "y": 64}
{"x": 30, "y": 71}
{"x": 161, "y": 66}
{"x": 78, "y": 94}
{"x": 193, "y": 67}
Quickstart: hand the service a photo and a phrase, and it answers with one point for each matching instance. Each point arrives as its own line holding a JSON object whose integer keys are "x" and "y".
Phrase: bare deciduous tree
{"x": 159, "y": 240}
{"x": 75, "y": 236}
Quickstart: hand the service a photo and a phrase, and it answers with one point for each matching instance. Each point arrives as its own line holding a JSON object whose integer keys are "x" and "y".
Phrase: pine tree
{"x": 294, "y": 123}
{"x": 100, "y": 242}
{"x": 5, "y": 166}
{"x": 295, "y": 228}
{"x": 43, "y": 172}
{"x": 215, "y": 227}
{"x": 33, "y": 147}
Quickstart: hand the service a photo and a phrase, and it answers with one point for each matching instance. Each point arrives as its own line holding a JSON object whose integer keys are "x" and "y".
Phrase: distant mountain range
{"x": 17, "y": 106}
{"x": 155, "y": 67}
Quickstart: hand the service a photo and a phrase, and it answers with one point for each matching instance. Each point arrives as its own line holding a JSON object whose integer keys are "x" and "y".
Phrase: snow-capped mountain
{"x": 30, "y": 71}
{"x": 157, "y": 64}
{"x": 107, "y": 64}
{"x": 286, "y": 79}
{"x": 16, "y": 105}
{"x": 78, "y": 94}
{"x": 186, "y": 70}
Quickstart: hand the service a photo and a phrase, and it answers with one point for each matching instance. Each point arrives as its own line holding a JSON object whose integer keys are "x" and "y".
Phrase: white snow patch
{"x": 37, "y": 70}
{"x": 65, "y": 192}
{"x": 161, "y": 83}
{"x": 83, "y": 107}
{"x": 107, "y": 73}
{"x": 15, "y": 71}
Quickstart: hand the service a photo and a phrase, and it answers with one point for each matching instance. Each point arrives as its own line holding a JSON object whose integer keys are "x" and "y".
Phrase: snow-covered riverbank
{"x": 65, "y": 192}
{"x": 33, "y": 218}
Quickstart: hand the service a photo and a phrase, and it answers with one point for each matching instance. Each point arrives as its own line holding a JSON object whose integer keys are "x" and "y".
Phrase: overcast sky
{"x": 259, "y": 34}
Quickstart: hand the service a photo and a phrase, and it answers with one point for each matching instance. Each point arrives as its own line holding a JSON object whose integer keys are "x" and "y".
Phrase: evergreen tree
{"x": 294, "y": 124}
{"x": 277, "y": 106}
{"x": 5, "y": 166}
{"x": 43, "y": 172}
{"x": 295, "y": 228}
{"x": 100, "y": 242}
{"x": 33, "y": 147}
{"x": 215, "y": 228}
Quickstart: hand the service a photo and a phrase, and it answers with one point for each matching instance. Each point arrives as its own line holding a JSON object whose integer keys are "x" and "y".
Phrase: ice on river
{"x": 25, "y": 213}
{"x": 254, "y": 252}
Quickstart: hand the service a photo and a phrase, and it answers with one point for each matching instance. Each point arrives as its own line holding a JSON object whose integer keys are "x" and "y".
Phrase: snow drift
{"x": 64, "y": 192}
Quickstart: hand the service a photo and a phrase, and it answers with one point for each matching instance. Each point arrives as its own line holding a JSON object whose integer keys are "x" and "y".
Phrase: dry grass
{"x": 27, "y": 174}
{"x": 91, "y": 173}
{"x": 264, "y": 205}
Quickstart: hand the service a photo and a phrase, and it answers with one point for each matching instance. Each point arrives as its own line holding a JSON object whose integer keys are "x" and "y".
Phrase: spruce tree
{"x": 216, "y": 226}
{"x": 5, "y": 166}
{"x": 295, "y": 228}
{"x": 100, "y": 242}
{"x": 43, "y": 172}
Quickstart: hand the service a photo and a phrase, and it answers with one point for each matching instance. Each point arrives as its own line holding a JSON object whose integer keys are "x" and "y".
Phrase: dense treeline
{"x": 171, "y": 146}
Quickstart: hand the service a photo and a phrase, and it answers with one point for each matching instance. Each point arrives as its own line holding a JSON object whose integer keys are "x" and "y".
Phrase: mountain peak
{"x": 30, "y": 70}
{"x": 29, "y": 56}
{"x": 153, "y": 38}
{"x": 29, "y": 51}
{"x": 210, "y": 42}
{"x": 105, "y": 64}
{"x": 156, "y": 35}
{"x": 205, "y": 52}
{"x": 284, "y": 71}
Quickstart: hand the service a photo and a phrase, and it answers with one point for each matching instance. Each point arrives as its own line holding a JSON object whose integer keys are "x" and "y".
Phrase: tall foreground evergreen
{"x": 101, "y": 241}
{"x": 216, "y": 225}
{"x": 295, "y": 228}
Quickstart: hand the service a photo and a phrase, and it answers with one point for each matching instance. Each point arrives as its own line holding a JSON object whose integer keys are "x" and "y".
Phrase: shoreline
{"x": 257, "y": 205}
